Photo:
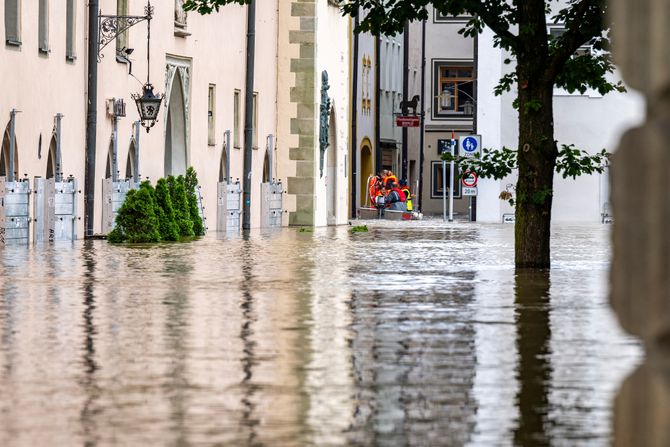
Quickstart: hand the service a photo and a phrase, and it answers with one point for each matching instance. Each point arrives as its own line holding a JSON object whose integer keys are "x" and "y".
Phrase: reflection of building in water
{"x": 328, "y": 381}
{"x": 414, "y": 366}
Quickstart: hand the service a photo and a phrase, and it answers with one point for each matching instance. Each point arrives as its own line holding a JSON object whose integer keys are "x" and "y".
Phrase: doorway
{"x": 4, "y": 155}
{"x": 331, "y": 174}
{"x": 51, "y": 159}
{"x": 131, "y": 169}
{"x": 175, "y": 134}
{"x": 366, "y": 170}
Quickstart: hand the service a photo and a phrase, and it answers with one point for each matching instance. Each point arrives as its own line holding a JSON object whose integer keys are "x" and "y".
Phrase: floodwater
{"x": 415, "y": 333}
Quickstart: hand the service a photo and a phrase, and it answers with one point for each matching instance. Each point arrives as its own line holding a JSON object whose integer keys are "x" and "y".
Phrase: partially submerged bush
{"x": 165, "y": 213}
{"x": 180, "y": 203}
{"x": 136, "y": 221}
{"x": 191, "y": 185}
{"x": 167, "y": 226}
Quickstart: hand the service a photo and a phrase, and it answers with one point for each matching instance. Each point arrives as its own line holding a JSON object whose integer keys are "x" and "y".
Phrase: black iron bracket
{"x": 109, "y": 27}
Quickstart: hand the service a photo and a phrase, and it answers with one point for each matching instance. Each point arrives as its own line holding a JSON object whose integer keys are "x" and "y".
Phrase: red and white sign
{"x": 407, "y": 121}
{"x": 469, "y": 179}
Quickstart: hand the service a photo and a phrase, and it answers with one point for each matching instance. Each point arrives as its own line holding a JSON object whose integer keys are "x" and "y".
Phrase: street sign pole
{"x": 444, "y": 190}
{"x": 452, "y": 151}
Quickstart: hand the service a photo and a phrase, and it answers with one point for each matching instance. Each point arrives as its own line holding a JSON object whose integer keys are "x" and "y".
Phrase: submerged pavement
{"x": 414, "y": 333}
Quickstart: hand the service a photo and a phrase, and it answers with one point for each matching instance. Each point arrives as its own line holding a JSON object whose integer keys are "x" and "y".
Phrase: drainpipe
{"x": 354, "y": 123}
{"x": 405, "y": 88}
{"x": 59, "y": 168}
{"x": 423, "y": 112}
{"x": 136, "y": 174}
{"x": 91, "y": 118}
{"x": 378, "y": 149}
{"x": 249, "y": 114}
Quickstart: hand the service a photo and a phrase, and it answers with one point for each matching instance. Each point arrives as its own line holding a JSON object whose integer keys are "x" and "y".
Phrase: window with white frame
{"x": 236, "y": 119}
{"x": 43, "y": 26}
{"x": 121, "y": 38}
{"x": 13, "y": 22}
{"x": 70, "y": 29}
{"x": 254, "y": 140}
{"x": 453, "y": 89}
{"x": 444, "y": 18}
{"x": 211, "y": 115}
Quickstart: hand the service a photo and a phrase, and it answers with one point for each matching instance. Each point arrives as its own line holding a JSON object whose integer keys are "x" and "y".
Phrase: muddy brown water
{"x": 415, "y": 333}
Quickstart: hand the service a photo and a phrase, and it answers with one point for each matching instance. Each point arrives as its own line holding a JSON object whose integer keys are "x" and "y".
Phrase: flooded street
{"x": 411, "y": 334}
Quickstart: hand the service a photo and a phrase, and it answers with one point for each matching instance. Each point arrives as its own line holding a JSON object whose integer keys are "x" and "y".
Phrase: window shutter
{"x": 13, "y": 22}
{"x": 70, "y": 30}
{"x": 43, "y": 24}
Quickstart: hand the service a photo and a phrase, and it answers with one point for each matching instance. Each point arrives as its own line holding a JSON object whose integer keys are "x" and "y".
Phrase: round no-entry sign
{"x": 469, "y": 179}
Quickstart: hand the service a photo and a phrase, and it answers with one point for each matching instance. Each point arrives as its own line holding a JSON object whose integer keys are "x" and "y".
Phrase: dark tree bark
{"x": 537, "y": 148}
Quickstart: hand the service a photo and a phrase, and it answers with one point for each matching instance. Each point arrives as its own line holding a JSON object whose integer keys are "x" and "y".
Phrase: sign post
{"x": 471, "y": 145}
{"x": 452, "y": 151}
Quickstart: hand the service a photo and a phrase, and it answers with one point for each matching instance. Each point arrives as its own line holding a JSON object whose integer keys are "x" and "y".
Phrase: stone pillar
{"x": 640, "y": 274}
{"x": 302, "y": 114}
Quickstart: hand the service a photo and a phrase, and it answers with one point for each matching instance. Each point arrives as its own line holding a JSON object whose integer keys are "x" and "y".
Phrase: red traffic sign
{"x": 407, "y": 121}
{"x": 469, "y": 179}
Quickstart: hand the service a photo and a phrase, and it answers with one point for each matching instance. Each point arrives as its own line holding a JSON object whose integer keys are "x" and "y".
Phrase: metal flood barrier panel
{"x": 55, "y": 210}
{"x": 228, "y": 207}
{"x": 201, "y": 207}
{"x": 14, "y": 212}
{"x": 114, "y": 194}
{"x": 271, "y": 204}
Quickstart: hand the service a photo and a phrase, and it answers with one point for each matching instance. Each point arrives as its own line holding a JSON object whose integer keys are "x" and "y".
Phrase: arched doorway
{"x": 131, "y": 169}
{"x": 110, "y": 161}
{"x": 4, "y": 155}
{"x": 366, "y": 169}
{"x": 175, "y": 134}
{"x": 223, "y": 168}
{"x": 266, "y": 169}
{"x": 51, "y": 159}
{"x": 331, "y": 173}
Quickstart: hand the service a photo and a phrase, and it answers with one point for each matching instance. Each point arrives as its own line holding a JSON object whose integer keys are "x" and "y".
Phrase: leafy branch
{"x": 499, "y": 163}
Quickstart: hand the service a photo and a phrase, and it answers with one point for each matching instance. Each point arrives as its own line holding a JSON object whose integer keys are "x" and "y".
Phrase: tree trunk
{"x": 537, "y": 150}
{"x": 534, "y": 190}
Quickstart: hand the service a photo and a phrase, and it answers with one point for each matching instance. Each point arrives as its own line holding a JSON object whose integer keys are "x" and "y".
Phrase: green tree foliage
{"x": 541, "y": 62}
{"x": 153, "y": 215}
{"x": 166, "y": 217}
{"x": 180, "y": 204}
{"x": 136, "y": 221}
{"x": 191, "y": 185}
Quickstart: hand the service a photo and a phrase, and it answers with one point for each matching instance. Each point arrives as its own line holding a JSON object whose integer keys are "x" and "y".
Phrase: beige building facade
{"x": 199, "y": 64}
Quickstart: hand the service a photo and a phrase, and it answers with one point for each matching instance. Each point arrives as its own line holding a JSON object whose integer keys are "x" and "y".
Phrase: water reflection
{"x": 406, "y": 335}
{"x": 88, "y": 381}
{"x": 534, "y": 370}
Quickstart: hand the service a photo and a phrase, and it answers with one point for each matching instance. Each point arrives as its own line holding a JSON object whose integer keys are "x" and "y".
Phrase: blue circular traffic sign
{"x": 469, "y": 145}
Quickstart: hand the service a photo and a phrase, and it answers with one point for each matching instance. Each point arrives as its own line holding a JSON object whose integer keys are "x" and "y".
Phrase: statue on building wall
{"x": 324, "y": 117}
{"x": 179, "y": 14}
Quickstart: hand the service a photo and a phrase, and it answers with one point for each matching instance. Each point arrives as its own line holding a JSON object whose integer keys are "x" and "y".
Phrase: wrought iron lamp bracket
{"x": 109, "y": 26}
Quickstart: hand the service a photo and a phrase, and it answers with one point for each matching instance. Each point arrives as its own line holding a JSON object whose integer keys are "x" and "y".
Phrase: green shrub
{"x": 167, "y": 225}
{"x": 191, "y": 185}
{"x": 136, "y": 220}
{"x": 180, "y": 205}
